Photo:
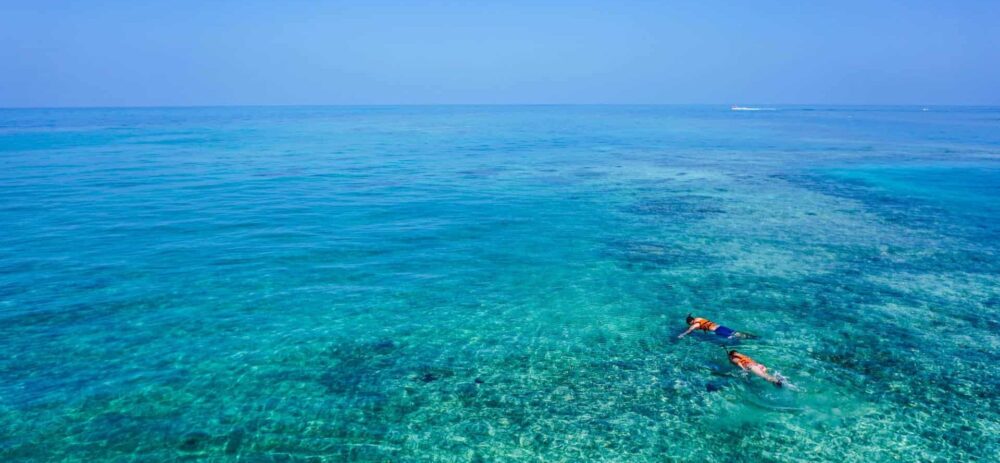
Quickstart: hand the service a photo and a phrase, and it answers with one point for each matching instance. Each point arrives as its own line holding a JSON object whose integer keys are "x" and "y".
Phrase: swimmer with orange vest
{"x": 748, "y": 364}
{"x": 697, "y": 323}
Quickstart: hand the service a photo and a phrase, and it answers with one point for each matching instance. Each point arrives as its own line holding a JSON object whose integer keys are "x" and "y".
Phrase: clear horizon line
{"x": 360, "y": 105}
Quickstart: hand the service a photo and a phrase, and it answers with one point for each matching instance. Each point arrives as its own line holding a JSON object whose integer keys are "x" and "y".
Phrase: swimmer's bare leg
{"x": 761, "y": 371}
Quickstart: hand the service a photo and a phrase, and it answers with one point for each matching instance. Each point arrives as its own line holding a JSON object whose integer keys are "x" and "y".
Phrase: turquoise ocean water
{"x": 498, "y": 283}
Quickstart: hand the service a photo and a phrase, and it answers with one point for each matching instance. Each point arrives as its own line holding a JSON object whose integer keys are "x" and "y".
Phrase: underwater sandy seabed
{"x": 498, "y": 284}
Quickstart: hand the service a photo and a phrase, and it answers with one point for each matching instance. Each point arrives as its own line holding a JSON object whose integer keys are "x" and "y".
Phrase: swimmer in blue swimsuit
{"x": 719, "y": 330}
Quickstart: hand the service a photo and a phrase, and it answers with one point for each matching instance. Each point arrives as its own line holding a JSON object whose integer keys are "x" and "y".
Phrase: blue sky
{"x": 139, "y": 53}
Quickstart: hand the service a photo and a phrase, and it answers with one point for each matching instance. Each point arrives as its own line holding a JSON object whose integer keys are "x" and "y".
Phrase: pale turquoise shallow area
{"x": 498, "y": 284}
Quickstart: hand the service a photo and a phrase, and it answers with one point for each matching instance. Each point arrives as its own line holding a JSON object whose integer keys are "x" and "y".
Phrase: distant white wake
{"x": 748, "y": 108}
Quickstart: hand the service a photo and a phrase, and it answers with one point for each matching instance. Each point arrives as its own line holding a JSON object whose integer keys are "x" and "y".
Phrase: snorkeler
{"x": 748, "y": 364}
{"x": 707, "y": 325}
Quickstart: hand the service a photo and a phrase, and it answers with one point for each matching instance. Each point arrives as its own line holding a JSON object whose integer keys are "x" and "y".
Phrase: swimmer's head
{"x": 690, "y": 319}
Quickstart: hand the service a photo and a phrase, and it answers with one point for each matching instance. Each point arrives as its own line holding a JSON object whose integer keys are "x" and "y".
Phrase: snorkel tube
{"x": 729, "y": 353}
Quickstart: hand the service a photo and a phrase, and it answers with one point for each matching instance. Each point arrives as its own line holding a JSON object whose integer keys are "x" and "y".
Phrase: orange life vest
{"x": 741, "y": 360}
{"x": 704, "y": 324}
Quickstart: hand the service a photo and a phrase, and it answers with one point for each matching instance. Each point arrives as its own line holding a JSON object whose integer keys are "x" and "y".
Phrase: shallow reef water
{"x": 319, "y": 284}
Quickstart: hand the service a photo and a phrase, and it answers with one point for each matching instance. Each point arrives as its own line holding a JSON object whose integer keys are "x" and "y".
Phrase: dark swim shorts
{"x": 724, "y": 332}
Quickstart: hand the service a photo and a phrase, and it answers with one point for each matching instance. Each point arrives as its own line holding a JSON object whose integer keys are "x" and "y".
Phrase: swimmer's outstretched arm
{"x": 690, "y": 329}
